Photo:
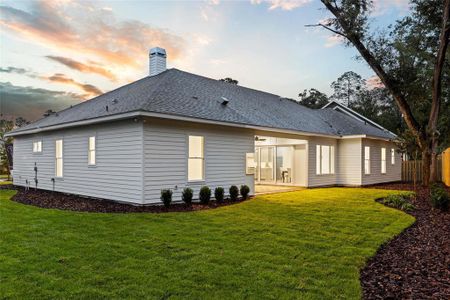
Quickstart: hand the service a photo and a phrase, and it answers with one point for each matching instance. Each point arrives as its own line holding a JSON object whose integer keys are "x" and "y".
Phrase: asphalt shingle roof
{"x": 181, "y": 93}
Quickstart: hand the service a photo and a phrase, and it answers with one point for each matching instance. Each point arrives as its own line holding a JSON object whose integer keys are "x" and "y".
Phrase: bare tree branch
{"x": 328, "y": 28}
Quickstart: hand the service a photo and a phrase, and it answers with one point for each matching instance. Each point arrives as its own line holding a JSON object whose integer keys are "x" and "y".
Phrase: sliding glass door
{"x": 274, "y": 164}
{"x": 284, "y": 164}
{"x": 265, "y": 168}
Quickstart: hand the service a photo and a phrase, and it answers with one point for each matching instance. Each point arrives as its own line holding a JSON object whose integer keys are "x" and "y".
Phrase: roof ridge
{"x": 233, "y": 85}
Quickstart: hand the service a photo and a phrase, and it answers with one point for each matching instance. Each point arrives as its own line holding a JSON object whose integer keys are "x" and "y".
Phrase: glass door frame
{"x": 274, "y": 168}
{"x": 258, "y": 165}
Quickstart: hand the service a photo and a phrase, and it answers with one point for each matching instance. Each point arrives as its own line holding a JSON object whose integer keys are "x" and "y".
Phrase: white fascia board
{"x": 355, "y": 136}
{"x": 74, "y": 124}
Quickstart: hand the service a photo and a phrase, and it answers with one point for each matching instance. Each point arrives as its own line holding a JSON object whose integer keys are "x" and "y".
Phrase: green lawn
{"x": 307, "y": 244}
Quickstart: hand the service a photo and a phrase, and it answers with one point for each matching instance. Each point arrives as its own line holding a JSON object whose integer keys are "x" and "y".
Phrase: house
{"x": 175, "y": 129}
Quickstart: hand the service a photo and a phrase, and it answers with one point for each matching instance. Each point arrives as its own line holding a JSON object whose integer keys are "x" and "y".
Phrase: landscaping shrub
{"x": 166, "y": 197}
{"x": 234, "y": 193}
{"x": 218, "y": 194}
{"x": 187, "y": 195}
{"x": 439, "y": 197}
{"x": 204, "y": 195}
{"x": 398, "y": 201}
{"x": 245, "y": 190}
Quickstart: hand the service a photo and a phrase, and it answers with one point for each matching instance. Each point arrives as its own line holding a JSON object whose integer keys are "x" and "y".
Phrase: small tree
{"x": 204, "y": 195}
{"x": 234, "y": 192}
{"x": 187, "y": 195}
{"x": 166, "y": 197}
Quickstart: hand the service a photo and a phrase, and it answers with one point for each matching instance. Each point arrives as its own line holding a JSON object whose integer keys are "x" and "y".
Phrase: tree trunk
{"x": 426, "y": 162}
{"x": 433, "y": 163}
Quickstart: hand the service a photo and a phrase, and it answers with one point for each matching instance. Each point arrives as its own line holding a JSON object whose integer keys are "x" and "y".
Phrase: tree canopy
{"x": 411, "y": 59}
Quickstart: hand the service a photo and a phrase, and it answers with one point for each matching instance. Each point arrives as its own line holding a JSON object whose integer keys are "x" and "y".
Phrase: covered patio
{"x": 279, "y": 163}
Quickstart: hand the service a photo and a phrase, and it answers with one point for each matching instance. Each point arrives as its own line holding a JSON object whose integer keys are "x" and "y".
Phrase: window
{"x": 383, "y": 160}
{"x": 250, "y": 163}
{"x": 196, "y": 159}
{"x": 91, "y": 151}
{"x": 37, "y": 146}
{"x": 324, "y": 160}
{"x": 59, "y": 158}
{"x": 392, "y": 156}
{"x": 366, "y": 160}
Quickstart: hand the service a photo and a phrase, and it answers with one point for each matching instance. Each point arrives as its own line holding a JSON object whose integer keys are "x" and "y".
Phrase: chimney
{"x": 157, "y": 57}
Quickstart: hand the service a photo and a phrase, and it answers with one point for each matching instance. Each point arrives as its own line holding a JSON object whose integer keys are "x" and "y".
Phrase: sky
{"x": 54, "y": 54}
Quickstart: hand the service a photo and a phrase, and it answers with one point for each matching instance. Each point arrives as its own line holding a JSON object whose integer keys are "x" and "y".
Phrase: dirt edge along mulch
{"x": 416, "y": 263}
{"x": 62, "y": 201}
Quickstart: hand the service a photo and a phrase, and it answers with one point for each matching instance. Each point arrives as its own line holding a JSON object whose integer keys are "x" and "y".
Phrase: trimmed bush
{"x": 234, "y": 193}
{"x": 204, "y": 195}
{"x": 398, "y": 201}
{"x": 245, "y": 190}
{"x": 166, "y": 197}
{"x": 187, "y": 195}
{"x": 218, "y": 194}
{"x": 439, "y": 197}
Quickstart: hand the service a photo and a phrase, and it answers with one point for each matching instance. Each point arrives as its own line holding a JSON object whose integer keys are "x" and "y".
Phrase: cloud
{"x": 90, "y": 89}
{"x": 204, "y": 15}
{"x": 334, "y": 40}
{"x": 381, "y": 7}
{"x": 374, "y": 82}
{"x": 82, "y": 67}
{"x": 82, "y": 28}
{"x": 218, "y": 61}
{"x": 13, "y": 70}
{"x": 36, "y": 101}
{"x": 282, "y": 4}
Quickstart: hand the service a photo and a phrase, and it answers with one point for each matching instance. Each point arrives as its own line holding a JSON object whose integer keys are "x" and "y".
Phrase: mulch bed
{"x": 48, "y": 199}
{"x": 416, "y": 263}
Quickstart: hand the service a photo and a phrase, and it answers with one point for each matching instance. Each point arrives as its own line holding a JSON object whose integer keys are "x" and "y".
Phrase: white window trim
{"x": 331, "y": 160}
{"x": 392, "y": 156}
{"x": 367, "y": 159}
{"x": 37, "y": 142}
{"x": 89, "y": 150}
{"x": 383, "y": 161}
{"x": 62, "y": 159}
{"x": 203, "y": 179}
{"x": 250, "y": 164}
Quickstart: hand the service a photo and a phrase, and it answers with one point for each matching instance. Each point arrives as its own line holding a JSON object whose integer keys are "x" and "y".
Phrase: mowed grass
{"x": 306, "y": 244}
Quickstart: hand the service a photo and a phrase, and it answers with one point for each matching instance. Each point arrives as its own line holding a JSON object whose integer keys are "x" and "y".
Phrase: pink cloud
{"x": 81, "y": 27}
{"x": 282, "y": 4}
{"x": 374, "y": 82}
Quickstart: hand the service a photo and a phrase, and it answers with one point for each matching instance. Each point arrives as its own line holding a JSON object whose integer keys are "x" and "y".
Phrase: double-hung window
{"x": 59, "y": 158}
{"x": 366, "y": 160}
{"x": 392, "y": 156}
{"x": 196, "y": 160}
{"x": 383, "y": 160}
{"x": 37, "y": 147}
{"x": 91, "y": 151}
{"x": 324, "y": 160}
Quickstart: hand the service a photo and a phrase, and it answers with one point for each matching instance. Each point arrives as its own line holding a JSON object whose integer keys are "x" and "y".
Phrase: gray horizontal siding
{"x": 349, "y": 162}
{"x": 393, "y": 172}
{"x": 117, "y": 174}
{"x": 166, "y": 155}
{"x": 315, "y": 180}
